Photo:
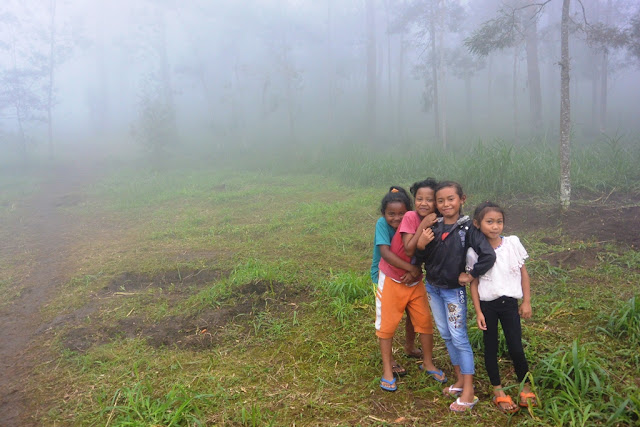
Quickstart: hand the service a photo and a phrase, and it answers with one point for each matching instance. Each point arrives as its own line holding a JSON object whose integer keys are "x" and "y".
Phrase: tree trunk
{"x": 434, "y": 72}
{"x": 52, "y": 42}
{"x": 595, "y": 99}
{"x": 331, "y": 107}
{"x": 468, "y": 91}
{"x": 371, "y": 71}
{"x": 604, "y": 74}
{"x": 490, "y": 92}
{"x": 389, "y": 87}
{"x": 400, "y": 112}
{"x": 533, "y": 71}
{"x": 565, "y": 112}
{"x": 516, "y": 124}
{"x": 442, "y": 75}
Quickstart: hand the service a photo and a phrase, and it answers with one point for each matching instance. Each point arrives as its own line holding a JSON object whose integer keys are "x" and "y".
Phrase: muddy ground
{"x": 43, "y": 232}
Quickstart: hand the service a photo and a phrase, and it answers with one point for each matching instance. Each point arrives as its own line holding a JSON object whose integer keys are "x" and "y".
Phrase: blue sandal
{"x": 433, "y": 374}
{"x": 387, "y": 385}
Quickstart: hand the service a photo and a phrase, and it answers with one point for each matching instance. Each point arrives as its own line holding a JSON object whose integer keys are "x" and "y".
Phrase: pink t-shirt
{"x": 410, "y": 222}
{"x": 408, "y": 225}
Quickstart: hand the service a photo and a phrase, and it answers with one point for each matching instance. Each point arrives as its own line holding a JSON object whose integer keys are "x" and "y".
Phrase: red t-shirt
{"x": 408, "y": 225}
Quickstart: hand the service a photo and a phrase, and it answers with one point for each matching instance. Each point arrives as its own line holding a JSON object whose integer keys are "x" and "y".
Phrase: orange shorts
{"x": 392, "y": 298}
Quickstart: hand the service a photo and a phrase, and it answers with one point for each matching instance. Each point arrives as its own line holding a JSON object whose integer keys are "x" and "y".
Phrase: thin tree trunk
{"x": 389, "y": 88}
{"x": 331, "y": 107}
{"x": 400, "y": 112}
{"x": 565, "y": 112}
{"x": 603, "y": 92}
{"x": 516, "y": 124}
{"x": 604, "y": 75}
{"x": 533, "y": 71}
{"x": 371, "y": 71}
{"x": 489, "y": 92}
{"x": 442, "y": 73}
{"x": 434, "y": 73}
{"x": 594, "y": 95}
{"x": 468, "y": 91}
{"x": 52, "y": 42}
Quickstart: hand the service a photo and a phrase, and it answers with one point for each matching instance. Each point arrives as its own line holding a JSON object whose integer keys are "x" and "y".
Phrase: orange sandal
{"x": 512, "y": 409}
{"x": 528, "y": 399}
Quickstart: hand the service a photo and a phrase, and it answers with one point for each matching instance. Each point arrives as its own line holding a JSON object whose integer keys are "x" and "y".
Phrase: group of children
{"x": 455, "y": 251}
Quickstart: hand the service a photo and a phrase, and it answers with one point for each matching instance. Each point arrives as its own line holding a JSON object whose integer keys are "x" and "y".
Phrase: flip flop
{"x": 466, "y": 406}
{"x": 434, "y": 373}
{"x": 398, "y": 370}
{"x": 497, "y": 400}
{"x": 528, "y": 399}
{"x": 416, "y": 354}
{"x": 452, "y": 391}
{"x": 387, "y": 385}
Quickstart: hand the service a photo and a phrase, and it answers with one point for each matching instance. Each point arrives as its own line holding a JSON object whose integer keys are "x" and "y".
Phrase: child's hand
{"x": 427, "y": 221}
{"x": 412, "y": 275}
{"x": 465, "y": 279}
{"x": 482, "y": 325}
{"x": 525, "y": 310}
{"x": 425, "y": 238}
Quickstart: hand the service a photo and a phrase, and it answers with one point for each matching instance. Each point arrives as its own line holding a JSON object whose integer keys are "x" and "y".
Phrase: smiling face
{"x": 449, "y": 202}
{"x": 425, "y": 201}
{"x": 394, "y": 213}
{"x": 491, "y": 225}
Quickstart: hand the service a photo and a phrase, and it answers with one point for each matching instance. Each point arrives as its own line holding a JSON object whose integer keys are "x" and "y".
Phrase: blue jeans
{"x": 449, "y": 310}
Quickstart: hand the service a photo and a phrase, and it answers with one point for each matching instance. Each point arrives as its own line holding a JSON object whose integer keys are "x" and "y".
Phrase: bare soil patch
{"x": 199, "y": 331}
{"x": 611, "y": 219}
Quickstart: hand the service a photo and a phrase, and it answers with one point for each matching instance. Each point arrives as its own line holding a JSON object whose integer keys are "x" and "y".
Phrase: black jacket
{"x": 444, "y": 260}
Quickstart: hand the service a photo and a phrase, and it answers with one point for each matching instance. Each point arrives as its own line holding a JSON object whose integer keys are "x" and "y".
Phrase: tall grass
{"x": 136, "y": 406}
{"x": 578, "y": 388}
{"x": 348, "y": 289}
{"x": 495, "y": 167}
{"x": 624, "y": 323}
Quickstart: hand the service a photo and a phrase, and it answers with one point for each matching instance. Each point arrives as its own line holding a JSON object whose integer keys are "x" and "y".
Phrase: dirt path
{"x": 43, "y": 232}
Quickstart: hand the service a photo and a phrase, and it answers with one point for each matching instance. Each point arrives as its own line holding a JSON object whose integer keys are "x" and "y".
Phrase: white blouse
{"x": 504, "y": 278}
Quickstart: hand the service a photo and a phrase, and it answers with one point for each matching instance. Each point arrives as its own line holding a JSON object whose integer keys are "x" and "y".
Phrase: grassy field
{"x": 239, "y": 294}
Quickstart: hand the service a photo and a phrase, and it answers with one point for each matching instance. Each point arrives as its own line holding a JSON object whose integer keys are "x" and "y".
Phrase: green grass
{"x": 293, "y": 252}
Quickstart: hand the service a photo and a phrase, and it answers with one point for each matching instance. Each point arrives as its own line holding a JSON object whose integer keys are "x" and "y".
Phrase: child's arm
{"x": 475, "y": 297}
{"x": 525, "y": 306}
{"x": 486, "y": 254}
{"x": 393, "y": 259}
{"x": 410, "y": 240}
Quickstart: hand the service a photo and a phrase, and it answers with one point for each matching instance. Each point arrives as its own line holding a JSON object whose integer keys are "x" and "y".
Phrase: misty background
{"x": 165, "y": 76}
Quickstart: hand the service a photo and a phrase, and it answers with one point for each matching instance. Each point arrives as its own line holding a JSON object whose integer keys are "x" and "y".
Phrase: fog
{"x": 168, "y": 75}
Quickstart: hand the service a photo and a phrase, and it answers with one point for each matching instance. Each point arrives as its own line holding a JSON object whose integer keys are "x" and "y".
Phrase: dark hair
{"x": 428, "y": 183}
{"x": 395, "y": 194}
{"x": 445, "y": 184}
{"x": 483, "y": 208}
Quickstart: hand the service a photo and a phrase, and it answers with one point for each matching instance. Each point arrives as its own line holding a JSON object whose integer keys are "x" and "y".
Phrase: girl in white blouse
{"x": 495, "y": 298}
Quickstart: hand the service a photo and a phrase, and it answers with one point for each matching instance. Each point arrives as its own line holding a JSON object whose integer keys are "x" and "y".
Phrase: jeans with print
{"x": 449, "y": 310}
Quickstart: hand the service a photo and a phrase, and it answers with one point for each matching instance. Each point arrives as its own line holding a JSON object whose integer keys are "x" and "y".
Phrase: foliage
{"x": 495, "y": 34}
{"x": 136, "y": 406}
{"x": 634, "y": 36}
{"x": 155, "y": 126}
{"x": 582, "y": 394}
{"x": 351, "y": 286}
{"x": 624, "y": 323}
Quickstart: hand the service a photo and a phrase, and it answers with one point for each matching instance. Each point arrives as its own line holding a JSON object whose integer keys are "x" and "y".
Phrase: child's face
{"x": 449, "y": 203}
{"x": 425, "y": 201}
{"x": 492, "y": 225}
{"x": 394, "y": 213}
